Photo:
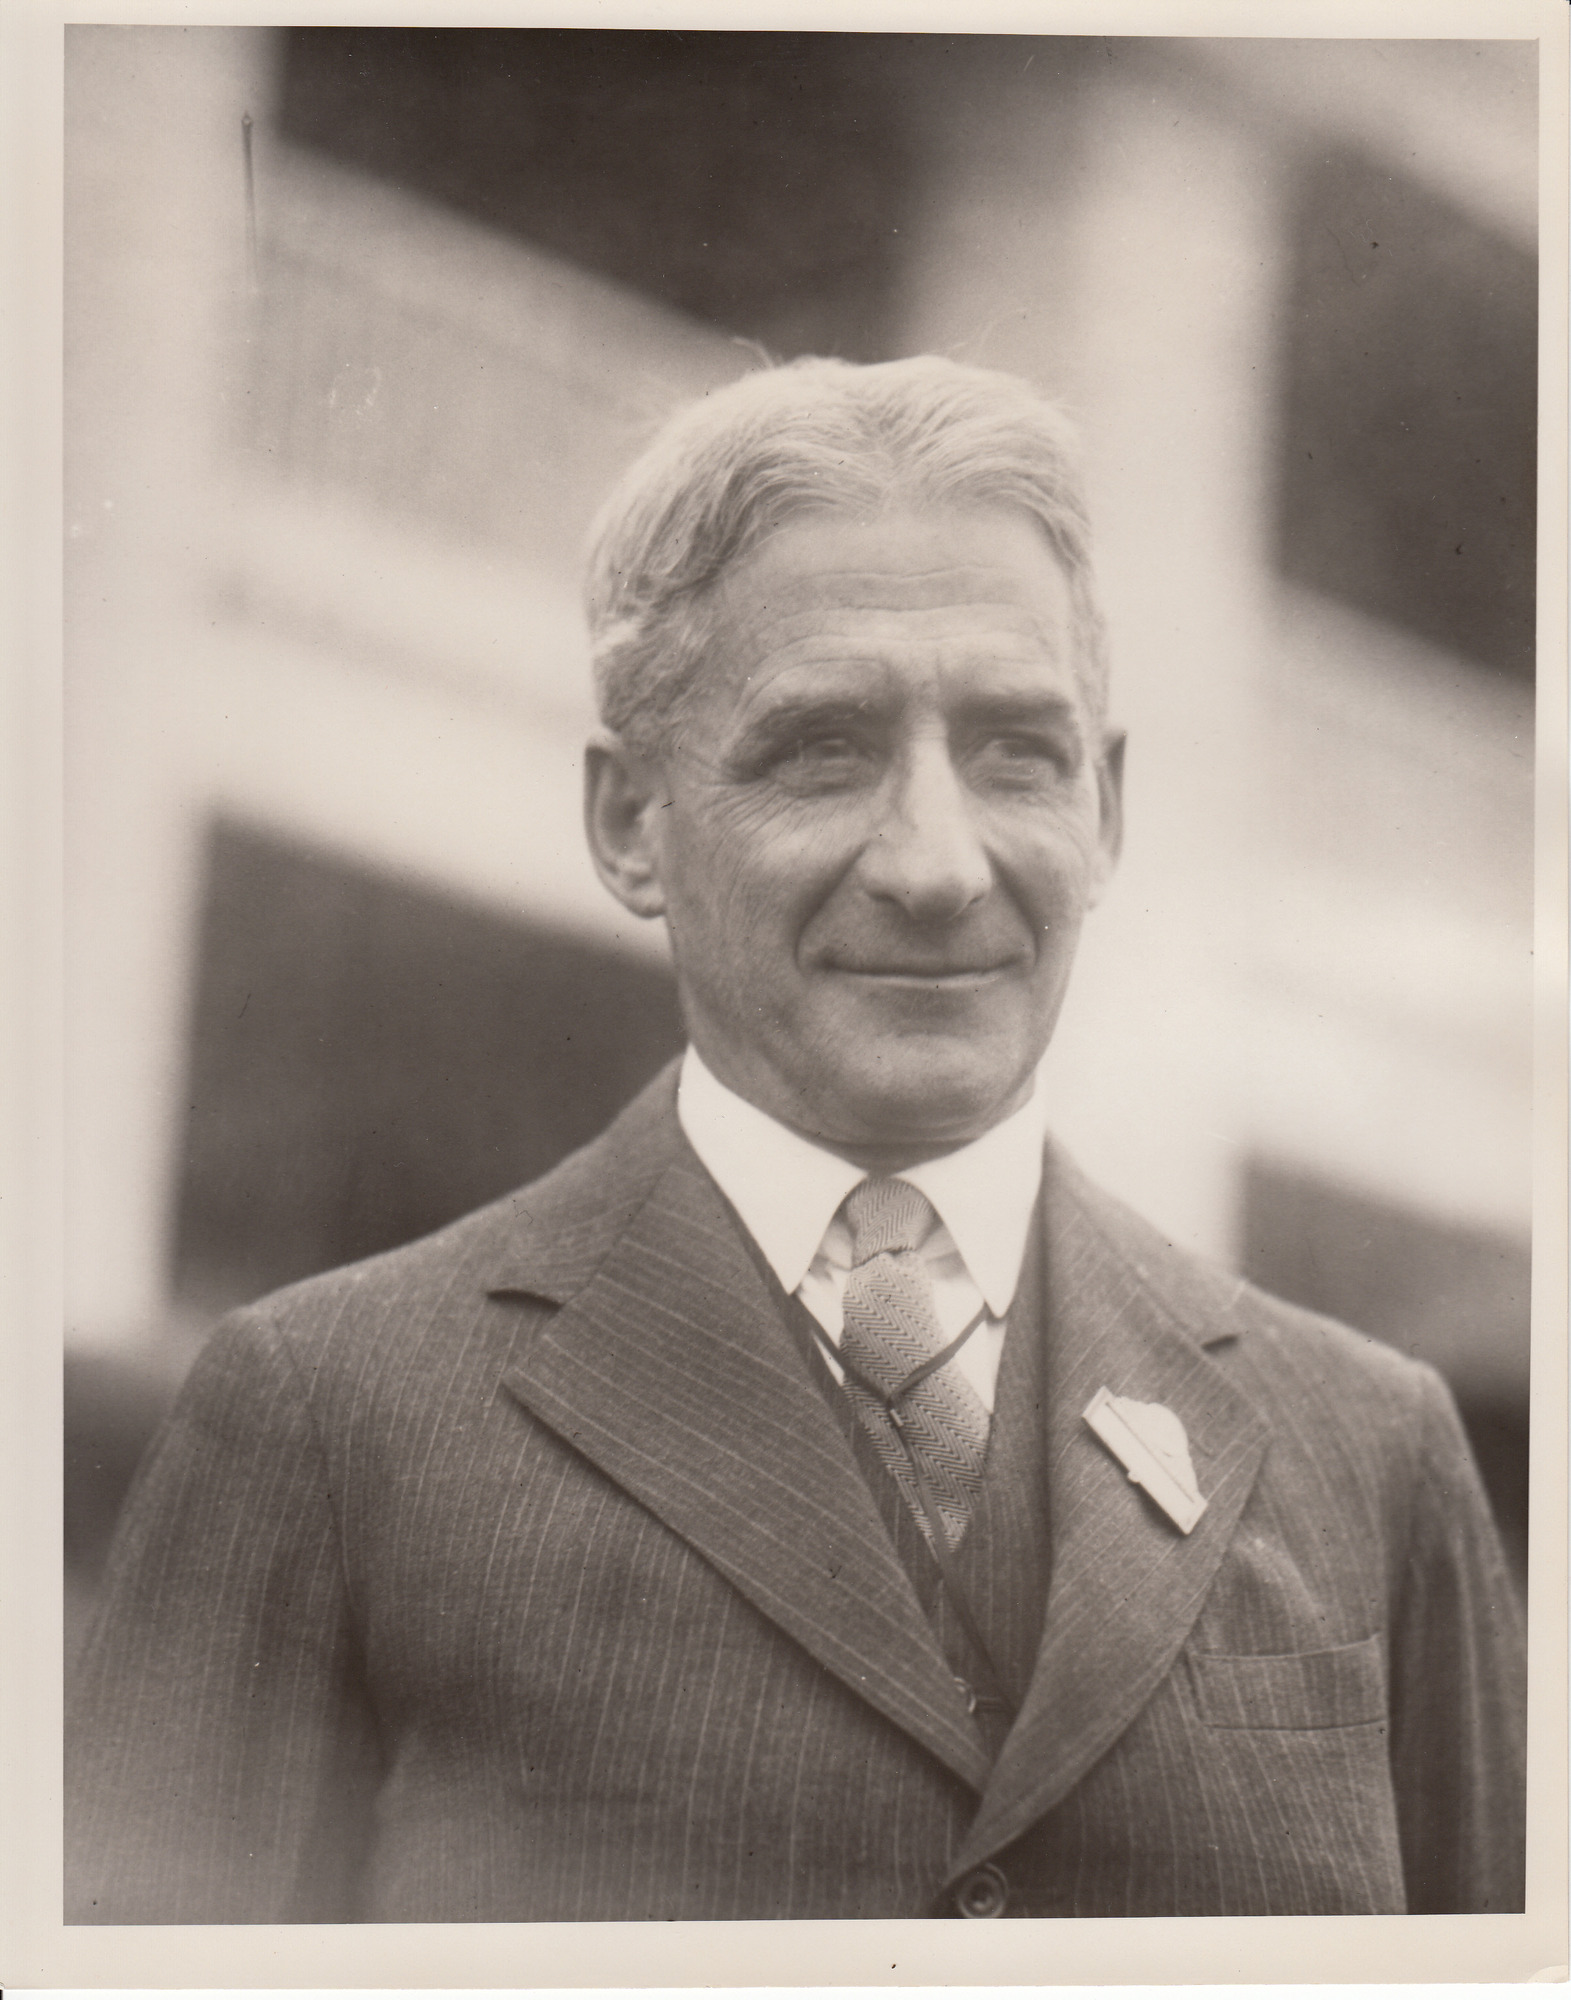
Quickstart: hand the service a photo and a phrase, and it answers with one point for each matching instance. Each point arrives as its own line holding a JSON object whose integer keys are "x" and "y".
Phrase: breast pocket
{"x": 1338, "y": 1688}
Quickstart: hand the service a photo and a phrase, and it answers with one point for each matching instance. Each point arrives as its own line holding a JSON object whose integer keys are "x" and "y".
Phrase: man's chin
{"x": 927, "y": 1107}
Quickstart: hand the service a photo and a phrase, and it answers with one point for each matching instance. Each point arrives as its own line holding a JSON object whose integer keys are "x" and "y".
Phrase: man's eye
{"x": 821, "y": 756}
{"x": 1022, "y": 758}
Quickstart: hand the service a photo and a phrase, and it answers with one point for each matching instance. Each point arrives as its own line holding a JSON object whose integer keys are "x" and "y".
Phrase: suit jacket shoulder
{"x": 543, "y": 1241}
{"x": 1345, "y": 1385}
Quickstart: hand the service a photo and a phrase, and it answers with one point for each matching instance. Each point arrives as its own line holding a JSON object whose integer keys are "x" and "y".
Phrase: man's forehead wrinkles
{"x": 961, "y": 586}
{"x": 872, "y": 631}
{"x": 878, "y": 576}
{"x": 846, "y": 675}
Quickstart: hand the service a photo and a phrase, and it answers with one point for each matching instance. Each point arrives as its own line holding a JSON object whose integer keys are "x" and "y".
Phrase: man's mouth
{"x": 927, "y": 975}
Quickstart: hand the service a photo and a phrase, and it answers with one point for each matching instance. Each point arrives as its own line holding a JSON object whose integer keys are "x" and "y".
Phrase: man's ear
{"x": 1110, "y": 797}
{"x": 623, "y": 798}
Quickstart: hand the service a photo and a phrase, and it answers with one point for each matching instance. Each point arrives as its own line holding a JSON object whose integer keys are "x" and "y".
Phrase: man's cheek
{"x": 1057, "y": 866}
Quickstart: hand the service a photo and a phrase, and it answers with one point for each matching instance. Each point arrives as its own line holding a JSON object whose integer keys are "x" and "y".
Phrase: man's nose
{"x": 926, "y": 853}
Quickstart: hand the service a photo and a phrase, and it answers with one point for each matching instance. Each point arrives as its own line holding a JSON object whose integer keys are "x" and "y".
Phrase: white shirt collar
{"x": 787, "y": 1190}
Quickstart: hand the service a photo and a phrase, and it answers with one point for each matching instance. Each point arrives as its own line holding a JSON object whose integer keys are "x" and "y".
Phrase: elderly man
{"x": 814, "y": 1499}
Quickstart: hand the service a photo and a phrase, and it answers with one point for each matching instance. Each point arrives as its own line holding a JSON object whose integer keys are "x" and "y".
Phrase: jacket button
{"x": 984, "y": 1892}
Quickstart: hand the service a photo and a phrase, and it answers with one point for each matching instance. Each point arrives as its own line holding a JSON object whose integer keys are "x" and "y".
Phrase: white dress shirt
{"x": 788, "y": 1192}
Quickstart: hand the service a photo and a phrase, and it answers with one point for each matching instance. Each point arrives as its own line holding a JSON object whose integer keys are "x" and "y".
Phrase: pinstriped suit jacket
{"x": 524, "y": 1573}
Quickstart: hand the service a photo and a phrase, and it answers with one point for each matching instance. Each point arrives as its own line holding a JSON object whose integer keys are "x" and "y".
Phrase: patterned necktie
{"x": 891, "y": 1329}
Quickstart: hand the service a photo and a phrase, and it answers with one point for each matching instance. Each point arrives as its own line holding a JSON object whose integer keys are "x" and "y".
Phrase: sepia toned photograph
{"x": 799, "y": 951}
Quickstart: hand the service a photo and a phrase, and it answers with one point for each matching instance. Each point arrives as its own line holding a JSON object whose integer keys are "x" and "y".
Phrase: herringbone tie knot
{"x": 889, "y": 1329}
{"x": 886, "y": 1216}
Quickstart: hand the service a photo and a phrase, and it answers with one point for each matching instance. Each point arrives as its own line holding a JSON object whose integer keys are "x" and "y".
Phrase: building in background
{"x": 342, "y": 396}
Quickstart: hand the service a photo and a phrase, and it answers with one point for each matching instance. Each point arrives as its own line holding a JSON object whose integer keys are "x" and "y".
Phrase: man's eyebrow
{"x": 1037, "y": 707}
{"x": 786, "y": 718}
{"x": 1045, "y": 704}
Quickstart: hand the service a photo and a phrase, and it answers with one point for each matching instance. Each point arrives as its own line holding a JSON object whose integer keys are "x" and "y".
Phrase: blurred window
{"x": 754, "y": 180}
{"x": 370, "y": 1059}
{"x": 1409, "y": 435}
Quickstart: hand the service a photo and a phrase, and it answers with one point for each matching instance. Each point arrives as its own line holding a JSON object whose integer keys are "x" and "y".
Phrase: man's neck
{"x": 884, "y": 1160}
{"x": 880, "y": 1158}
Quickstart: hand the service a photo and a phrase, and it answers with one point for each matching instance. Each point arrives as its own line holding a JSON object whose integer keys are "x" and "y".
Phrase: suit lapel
{"x": 1126, "y": 1585}
{"x": 671, "y": 1370}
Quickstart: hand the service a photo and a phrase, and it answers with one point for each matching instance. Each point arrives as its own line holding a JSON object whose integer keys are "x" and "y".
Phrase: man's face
{"x": 887, "y": 813}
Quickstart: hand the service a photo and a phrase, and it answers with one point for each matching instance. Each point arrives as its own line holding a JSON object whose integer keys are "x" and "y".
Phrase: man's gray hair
{"x": 813, "y": 437}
